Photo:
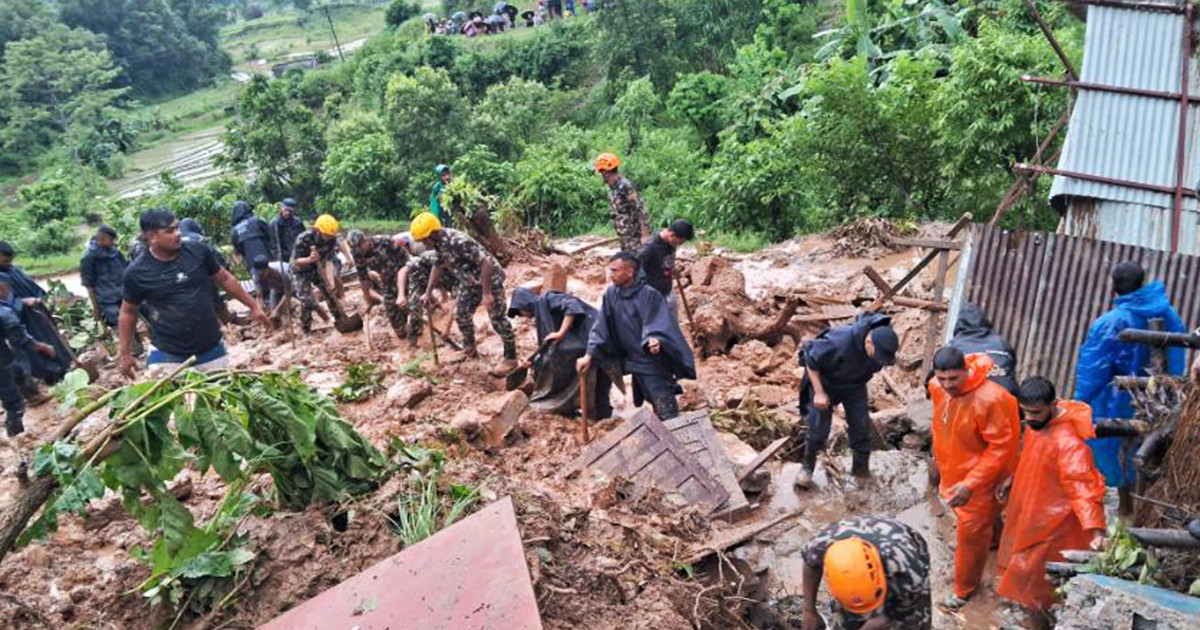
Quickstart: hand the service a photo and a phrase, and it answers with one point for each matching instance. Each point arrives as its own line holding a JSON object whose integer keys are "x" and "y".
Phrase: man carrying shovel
{"x": 314, "y": 248}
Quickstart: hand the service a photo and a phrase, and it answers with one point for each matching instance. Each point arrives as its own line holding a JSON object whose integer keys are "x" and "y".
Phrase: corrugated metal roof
{"x": 1124, "y": 136}
{"x": 1042, "y": 291}
{"x": 1132, "y": 224}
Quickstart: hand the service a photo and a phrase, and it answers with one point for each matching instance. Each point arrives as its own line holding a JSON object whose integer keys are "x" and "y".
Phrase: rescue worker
{"x": 285, "y": 229}
{"x": 251, "y": 238}
{"x": 974, "y": 333}
{"x": 976, "y": 433}
{"x": 562, "y": 324}
{"x": 100, "y": 272}
{"x": 174, "y": 279}
{"x": 838, "y": 364}
{"x": 635, "y": 330}
{"x": 25, "y": 299}
{"x": 480, "y": 279}
{"x": 626, "y": 207}
{"x": 437, "y": 207}
{"x": 378, "y": 260}
{"x": 656, "y": 259}
{"x": 16, "y": 338}
{"x": 314, "y": 248}
{"x": 1103, "y": 357}
{"x": 412, "y": 282}
{"x": 1057, "y": 496}
{"x": 877, "y": 571}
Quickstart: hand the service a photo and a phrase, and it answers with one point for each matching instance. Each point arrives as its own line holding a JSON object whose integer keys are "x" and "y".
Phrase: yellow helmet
{"x": 424, "y": 225}
{"x": 326, "y": 225}
{"x": 855, "y": 575}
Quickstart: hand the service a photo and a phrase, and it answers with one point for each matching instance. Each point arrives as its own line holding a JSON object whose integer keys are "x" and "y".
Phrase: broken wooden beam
{"x": 958, "y": 227}
{"x": 900, "y": 300}
{"x": 926, "y": 243}
{"x": 608, "y": 241}
{"x": 725, "y": 540}
{"x": 1160, "y": 339}
{"x": 761, "y": 458}
{"x": 1119, "y": 427}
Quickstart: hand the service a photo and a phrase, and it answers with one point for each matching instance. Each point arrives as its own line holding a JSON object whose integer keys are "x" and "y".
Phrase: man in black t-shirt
{"x": 657, "y": 259}
{"x": 174, "y": 279}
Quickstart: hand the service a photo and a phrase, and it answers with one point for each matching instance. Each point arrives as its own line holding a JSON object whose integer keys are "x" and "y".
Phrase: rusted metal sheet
{"x": 469, "y": 576}
{"x": 699, "y": 437}
{"x": 1042, "y": 291}
{"x": 644, "y": 451}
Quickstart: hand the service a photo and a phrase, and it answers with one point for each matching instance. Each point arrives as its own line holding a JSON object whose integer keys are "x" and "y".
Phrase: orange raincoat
{"x": 1057, "y": 496}
{"x": 975, "y": 440}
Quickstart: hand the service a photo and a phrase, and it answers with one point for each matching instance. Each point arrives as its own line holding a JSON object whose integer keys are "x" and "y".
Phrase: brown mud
{"x": 598, "y": 558}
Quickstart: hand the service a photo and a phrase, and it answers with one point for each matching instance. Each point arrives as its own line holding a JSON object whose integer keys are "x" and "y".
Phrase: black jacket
{"x": 251, "y": 236}
{"x": 284, "y": 233}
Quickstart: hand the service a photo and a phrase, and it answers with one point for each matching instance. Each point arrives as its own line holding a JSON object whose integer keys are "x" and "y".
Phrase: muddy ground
{"x": 598, "y": 558}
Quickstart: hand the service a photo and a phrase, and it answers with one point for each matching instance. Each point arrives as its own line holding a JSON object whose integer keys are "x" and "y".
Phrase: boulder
{"x": 893, "y": 424}
{"x": 409, "y": 392}
{"x": 492, "y": 419}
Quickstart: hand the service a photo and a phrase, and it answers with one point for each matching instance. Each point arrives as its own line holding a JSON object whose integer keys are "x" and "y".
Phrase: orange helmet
{"x": 855, "y": 575}
{"x": 607, "y": 162}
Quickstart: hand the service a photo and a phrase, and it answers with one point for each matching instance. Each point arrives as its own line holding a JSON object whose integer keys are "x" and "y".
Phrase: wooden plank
{"x": 927, "y": 243}
{"x": 939, "y": 287}
{"x": 915, "y": 271}
{"x": 698, "y": 436}
{"x": 643, "y": 450}
{"x": 824, "y": 315}
{"x": 736, "y": 536}
{"x": 761, "y": 458}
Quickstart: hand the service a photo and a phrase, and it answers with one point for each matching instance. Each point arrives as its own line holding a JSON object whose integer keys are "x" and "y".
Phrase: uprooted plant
{"x": 74, "y": 317}
{"x": 428, "y": 507}
{"x": 240, "y": 425}
{"x": 363, "y": 380}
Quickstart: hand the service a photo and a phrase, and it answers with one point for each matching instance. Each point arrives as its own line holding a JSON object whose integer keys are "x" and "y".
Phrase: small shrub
{"x": 399, "y": 12}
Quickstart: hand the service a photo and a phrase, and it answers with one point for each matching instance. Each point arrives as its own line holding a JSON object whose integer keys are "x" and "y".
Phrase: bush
{"x": 360, "y": 178}
{"x": 512, "y": 115}
{"x": 486, "y": 170}
{"x": 558, "y": 192}
{"x": 253, "y": 12}
{"x": 426, "y": 116}
{"x": 399, "y": 12}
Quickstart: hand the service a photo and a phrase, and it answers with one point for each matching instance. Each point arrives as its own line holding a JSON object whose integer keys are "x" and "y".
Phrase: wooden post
{"x": 586, "y": 387}
{"x": 931, "y": 335}
{"x": 432, "y": 335}
{"x": 962, "y": 223}
{"x": 687, "y": 310}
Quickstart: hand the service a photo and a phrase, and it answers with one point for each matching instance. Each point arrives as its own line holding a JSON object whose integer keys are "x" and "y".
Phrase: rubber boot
{"x": 804, "y": 479}
{"x": 860, "y": 464}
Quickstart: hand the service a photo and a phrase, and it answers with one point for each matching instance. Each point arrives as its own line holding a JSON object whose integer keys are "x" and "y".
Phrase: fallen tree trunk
{"x": 30, "y": 497}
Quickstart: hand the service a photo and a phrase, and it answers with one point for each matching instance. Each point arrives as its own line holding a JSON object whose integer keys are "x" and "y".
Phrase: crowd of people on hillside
{"x": 1016, "y": 462}
{"x": 505, "y": 16}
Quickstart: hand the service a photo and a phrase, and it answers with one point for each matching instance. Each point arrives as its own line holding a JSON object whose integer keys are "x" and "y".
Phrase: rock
{"x": 735, "y": 395}
{"x": 1097, "y": 601}
{"x": 784, "y": 353}
{"x": 920, "y": 413}
{"x": 916, "y": 442}
{"x": 492, "y": 419}
{"x": 893, "y": 424}
{"x": 409, "y": 392}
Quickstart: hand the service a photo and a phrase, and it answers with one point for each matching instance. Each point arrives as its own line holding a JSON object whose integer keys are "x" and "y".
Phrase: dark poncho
{"x": 840, "y": 356}
{"x": 556, "y": 383}
{"x": 251, "y": 236}
{"x": 974, "y": 333}
{"x": 627, "y": 320}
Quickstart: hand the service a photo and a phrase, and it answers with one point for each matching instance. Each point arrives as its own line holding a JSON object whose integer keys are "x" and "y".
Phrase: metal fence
{"x": 1042, "y": 291}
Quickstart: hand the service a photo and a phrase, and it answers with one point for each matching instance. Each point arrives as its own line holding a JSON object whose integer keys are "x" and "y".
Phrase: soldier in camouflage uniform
{"x": 472, "y": 266}
{"x": 414, "y": 280}
{"x": 386, "y": 257}
{"x": 627, "y": 209}
{"x": 313, "y": 249}
{"x": 905, "y": 557}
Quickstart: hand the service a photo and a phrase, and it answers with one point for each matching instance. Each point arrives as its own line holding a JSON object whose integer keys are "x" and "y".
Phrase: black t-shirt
{"x": 656, "y": 259}
{"x": 178, "y": 295}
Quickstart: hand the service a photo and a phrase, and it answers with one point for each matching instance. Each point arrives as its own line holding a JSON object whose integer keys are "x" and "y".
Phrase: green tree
{"x": 697, "y": 100}
{"x": 279, "y": 139}
{"x": 360, "y": 177}
{"x": 51, "y": 86}
{"x": 512, "y": 115}
{"x": 400, "y": 11}
{"x": 638, "y": 38}
{"x": 427, "y": 115}
{"x": 160, "y": 51}
{"x": 636, "y": 108}
{"x": 988, "y": 118}
{"x": 23, "y": 19}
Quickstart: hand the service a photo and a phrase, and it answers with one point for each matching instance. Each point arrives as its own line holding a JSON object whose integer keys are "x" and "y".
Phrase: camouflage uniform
{"x": 628, "y": 214}
{"x": 419, "y": 270}
{"x": 462, "y": 257}
{"x": 309, "y": 276}
{"x": 387, "y": 260}
{"x": 905, "y": 557}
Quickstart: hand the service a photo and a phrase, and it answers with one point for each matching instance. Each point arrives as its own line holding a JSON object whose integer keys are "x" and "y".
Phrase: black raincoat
{"x": 556, "y": 383}
{"x": 974, "y": 333}
{"x": 840, "y": 355}
{"x": 251, "y": 236}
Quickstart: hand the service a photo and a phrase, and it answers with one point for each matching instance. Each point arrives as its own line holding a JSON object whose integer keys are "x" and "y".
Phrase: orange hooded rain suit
{"x": 975, "y": 440}
{"x": 1057, "y": 496}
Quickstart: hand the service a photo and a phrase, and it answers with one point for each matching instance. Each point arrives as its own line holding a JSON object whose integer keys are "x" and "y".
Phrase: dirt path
{"x": 576, "y": 542}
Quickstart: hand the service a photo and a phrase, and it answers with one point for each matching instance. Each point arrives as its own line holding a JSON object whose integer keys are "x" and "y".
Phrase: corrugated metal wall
{"x": 1042, "y": 291}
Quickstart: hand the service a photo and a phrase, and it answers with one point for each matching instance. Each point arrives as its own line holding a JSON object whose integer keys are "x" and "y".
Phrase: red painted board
{"x": 469, "y": 576}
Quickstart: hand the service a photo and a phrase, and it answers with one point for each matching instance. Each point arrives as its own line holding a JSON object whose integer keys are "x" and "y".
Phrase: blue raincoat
{"x": 1103, "y": 357}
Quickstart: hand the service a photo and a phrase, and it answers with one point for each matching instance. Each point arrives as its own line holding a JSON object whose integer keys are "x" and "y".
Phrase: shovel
{"x": 516, "y": 378}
